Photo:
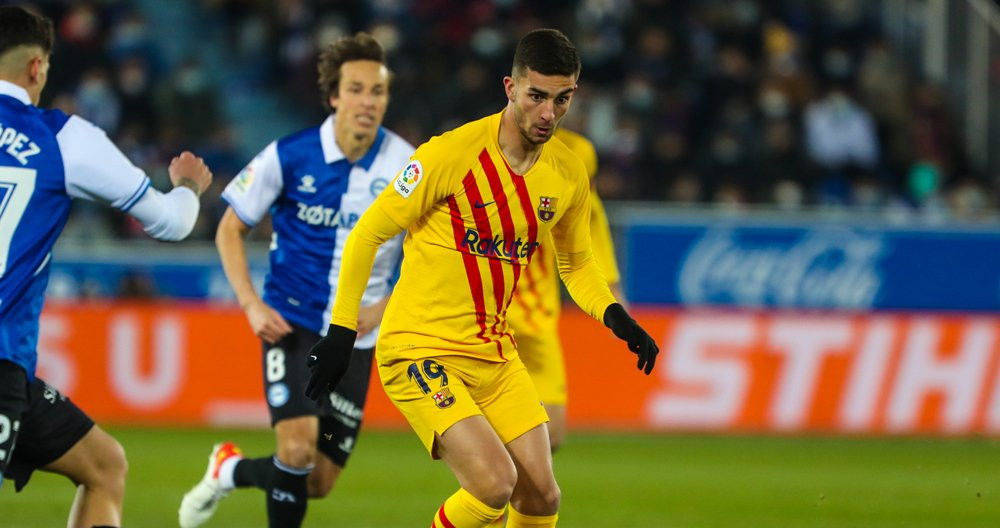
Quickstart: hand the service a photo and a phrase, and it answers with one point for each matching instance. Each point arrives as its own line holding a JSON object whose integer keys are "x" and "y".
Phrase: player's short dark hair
{"x": 548, "y": 52}
{"x": 360, "y": 46}
{"x": 20, "y": 27}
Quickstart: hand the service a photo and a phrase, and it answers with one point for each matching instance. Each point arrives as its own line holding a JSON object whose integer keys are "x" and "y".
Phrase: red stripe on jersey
{"x": 524, "y": 304}
{"x": 517, "y": 276}
{"x": 507, "y": 222}
{"x": 531, "y": 275}
{"x": 444, "y": 518}
{"x": 543, "y": 265}
{"x": 529, "y": 212}
{"x": 525, "y": 198}
{"x": 482, "y": 219}
{"x": 471, "y": 268}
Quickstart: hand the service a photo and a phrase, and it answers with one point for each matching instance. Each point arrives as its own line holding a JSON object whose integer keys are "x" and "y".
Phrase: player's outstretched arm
{"x": 172, "y": 215}
{"x": 639, "y": 342}
{"x": 97, "y": 170}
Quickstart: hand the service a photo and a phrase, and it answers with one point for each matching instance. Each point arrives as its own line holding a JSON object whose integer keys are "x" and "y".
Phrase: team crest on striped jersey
{"x": 547, "y": 208}
{"x": 444, "y": 398}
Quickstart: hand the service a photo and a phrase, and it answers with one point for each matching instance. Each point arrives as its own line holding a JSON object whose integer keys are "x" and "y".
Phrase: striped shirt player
{"x": 477, "y": 202}
{"x": 48, "y": 158}
{"x": 315, "y": 196}
{"x": 446, "y": 351}
{"x": 474, "y": 225}
{"x": 315, "y": 184}
{"x": 534, "y": 312}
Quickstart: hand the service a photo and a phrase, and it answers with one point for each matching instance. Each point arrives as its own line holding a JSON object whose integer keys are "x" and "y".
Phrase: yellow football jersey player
{"x": 473, "y": 225}
{"x": 477, "y": 203}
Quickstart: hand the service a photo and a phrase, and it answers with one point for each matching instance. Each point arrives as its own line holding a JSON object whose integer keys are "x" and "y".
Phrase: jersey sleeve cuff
{"x": 138, "y": 194}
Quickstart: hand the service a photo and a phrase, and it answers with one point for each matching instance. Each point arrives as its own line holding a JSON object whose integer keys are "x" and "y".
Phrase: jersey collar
{"x": 332, "y": 152}
{"x": 12, "y": 90}
{"x": 494, "y": 125}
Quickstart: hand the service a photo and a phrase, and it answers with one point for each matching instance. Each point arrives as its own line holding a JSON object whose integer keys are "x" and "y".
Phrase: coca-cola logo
{"x": 835, "y": 268}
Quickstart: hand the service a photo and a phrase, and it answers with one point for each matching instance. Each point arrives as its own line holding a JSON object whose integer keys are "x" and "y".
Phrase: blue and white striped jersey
{"x": 46, "y": 159}
{"x": 315, "y": 196}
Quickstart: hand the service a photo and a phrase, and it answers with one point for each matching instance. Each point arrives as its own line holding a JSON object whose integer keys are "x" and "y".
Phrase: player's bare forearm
{"x": 229, "y": 240}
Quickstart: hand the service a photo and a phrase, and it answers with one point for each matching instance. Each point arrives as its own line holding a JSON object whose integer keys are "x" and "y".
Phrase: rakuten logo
{"x": 497, "y": 247}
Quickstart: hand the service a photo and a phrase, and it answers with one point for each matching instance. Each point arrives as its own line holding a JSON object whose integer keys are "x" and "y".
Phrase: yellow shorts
{"x": 543, "y": 357}
{"x": 436, "y": 392}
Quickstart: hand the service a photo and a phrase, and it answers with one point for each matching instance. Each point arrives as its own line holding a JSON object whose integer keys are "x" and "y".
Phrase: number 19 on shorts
{"x": 431, "y": 370}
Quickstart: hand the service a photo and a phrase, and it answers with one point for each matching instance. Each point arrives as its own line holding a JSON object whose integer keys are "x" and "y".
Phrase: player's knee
{"x": 297, "y": 454}
{"x": 109, "y": 468}
{"x": 497, "y": 485}
{"x": 541, "y": 500}
{"x": 549, "y": 497}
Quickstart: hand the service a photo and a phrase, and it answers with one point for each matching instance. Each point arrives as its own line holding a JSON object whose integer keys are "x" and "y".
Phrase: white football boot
{"x": 200, "y": 502}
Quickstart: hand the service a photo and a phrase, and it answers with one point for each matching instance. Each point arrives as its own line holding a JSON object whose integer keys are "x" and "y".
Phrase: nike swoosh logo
{"x": 480, "y": 205}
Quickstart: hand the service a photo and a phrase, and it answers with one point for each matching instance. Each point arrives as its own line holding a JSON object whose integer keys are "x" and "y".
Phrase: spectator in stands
{"x": 841, "y": 141}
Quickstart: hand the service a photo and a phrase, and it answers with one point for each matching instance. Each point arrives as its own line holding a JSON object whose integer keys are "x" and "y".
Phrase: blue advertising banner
{"x": 81, "y": 279}
{"x": 805, "y": 266}
{"x": 179, "y": 271}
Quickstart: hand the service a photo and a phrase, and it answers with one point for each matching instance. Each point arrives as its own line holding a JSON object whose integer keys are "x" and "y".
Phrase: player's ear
{"x": 333, "y": 101}
{"x": 508, "y": 87}
{"x": 35, "y": 67}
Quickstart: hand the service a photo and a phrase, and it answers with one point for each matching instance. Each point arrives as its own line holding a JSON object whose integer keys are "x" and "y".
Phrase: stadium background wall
{"x": 721, "y": 370}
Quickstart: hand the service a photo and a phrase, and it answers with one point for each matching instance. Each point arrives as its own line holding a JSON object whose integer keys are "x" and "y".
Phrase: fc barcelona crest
{"x": 444, "y": 398}
{"x": 546, "y": 208}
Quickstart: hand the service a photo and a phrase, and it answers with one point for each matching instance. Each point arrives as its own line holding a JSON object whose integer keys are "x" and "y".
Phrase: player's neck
{"x": 520, "y": 153}
{"x": 22, "y": 81}
{"x": 352, "y": 145}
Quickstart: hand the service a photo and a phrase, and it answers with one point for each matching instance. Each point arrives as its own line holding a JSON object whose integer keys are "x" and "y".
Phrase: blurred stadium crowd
{"x": 731, "y": 103}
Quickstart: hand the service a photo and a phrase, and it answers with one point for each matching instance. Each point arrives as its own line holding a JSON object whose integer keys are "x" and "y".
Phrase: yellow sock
{"x": 516, "y": 519}
{"x": 462, "y": 510}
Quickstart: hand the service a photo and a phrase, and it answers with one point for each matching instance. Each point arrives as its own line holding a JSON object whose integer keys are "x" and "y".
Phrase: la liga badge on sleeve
{"x": 408, "y": 180}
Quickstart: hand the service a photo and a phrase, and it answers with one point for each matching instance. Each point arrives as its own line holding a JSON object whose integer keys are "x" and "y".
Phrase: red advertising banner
{"x": 175, "y": 363}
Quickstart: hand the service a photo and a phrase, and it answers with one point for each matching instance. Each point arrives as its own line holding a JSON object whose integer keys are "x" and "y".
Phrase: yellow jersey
{"x": 473, "y": 225}
{"x": 537, "y": 302}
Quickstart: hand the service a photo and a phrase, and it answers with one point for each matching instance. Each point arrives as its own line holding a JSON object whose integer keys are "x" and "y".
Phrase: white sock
{"x": 226, "y": 472}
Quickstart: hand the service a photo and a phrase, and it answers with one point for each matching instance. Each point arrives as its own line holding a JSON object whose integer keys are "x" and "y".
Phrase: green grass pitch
{"x": 608, "y": 481}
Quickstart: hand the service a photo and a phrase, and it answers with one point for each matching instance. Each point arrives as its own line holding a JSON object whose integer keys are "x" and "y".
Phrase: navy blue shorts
{"x": 37, "y": 424}
{"x": 285, "y": 379}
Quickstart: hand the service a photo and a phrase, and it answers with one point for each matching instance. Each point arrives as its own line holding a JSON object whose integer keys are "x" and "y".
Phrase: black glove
{"x": 328, "y": 360}
{"x": 639, "y": 342}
